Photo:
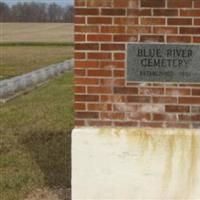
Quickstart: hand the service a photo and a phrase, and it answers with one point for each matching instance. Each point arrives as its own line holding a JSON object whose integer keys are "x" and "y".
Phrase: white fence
{"x": 20, "y": 83}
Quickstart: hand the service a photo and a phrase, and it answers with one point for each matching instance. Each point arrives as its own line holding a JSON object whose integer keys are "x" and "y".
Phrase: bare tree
{"x": 29, "y": 12}
{"x": 55, "y": 13}
{"x": 35, "y": 12}
{"x": 69, "y": 14}
{"x": 4, "y": 12}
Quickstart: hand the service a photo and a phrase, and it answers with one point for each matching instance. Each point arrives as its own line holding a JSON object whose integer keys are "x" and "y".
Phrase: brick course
{"x": 103, "y": 97}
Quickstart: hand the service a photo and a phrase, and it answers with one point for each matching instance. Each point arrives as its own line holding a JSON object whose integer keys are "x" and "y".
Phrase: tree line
{"x": 36, "y": 12}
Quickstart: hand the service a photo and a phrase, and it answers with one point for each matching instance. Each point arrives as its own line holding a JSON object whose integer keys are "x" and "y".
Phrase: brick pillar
{"x": 103, "y": 96}
{"x": 114, "y": 155}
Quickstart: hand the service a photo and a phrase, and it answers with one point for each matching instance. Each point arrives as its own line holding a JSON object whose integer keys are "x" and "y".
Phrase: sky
{"x": 60, "y": 2}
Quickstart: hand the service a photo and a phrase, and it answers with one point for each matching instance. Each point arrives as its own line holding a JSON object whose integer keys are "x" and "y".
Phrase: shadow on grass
{"x": 52, "y": 153}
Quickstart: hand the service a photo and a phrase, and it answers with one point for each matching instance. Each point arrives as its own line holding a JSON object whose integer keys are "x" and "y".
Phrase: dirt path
{"x": 50, "y": 194}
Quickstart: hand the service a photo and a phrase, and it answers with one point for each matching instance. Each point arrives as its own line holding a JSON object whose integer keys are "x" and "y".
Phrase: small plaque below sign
{"x": 163, "y": 63}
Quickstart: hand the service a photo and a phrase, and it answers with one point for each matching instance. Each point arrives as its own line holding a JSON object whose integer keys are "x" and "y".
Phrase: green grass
{"x": 18, "y": 60}
{"x": 54, "y": 44}
{"x": 35, "y": 139}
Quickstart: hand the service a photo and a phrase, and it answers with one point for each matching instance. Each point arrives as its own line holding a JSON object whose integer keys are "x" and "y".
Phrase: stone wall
{"x": 10, "y": 87}
{"x": 103, "y": 96}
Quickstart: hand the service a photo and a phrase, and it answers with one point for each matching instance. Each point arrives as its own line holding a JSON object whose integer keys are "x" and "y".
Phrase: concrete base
{"x": 130, "y": 164}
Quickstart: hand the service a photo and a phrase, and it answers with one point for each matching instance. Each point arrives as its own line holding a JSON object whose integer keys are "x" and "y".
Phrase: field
{"x": 36, "y": 32}
{"x": 35, "y": 129}
{"x": 17, "y": 60}
{"x": 35, "y": 140}
{"x": 25, "y": 47}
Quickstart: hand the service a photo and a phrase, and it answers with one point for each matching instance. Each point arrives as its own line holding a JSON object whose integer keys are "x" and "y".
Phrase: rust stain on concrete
{"x": 179, "y": 149}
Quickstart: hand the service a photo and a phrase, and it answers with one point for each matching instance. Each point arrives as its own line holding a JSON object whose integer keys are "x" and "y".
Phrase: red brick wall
{"x": 103, "y": 97}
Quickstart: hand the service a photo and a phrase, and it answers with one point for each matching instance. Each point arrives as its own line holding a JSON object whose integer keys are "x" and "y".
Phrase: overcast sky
{"x": 61, "y": 2}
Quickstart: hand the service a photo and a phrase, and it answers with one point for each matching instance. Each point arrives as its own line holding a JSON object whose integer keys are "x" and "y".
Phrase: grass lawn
{"x": 35, "y": 138}
{"x": 17, "y": 60}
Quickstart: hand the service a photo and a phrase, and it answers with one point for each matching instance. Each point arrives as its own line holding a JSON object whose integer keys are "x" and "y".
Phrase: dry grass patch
{"x": 19, "y": 60}
{"x": 35, "y": 142}
{"x": 50, "y": 194}
{"x": 36, "y": 32}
